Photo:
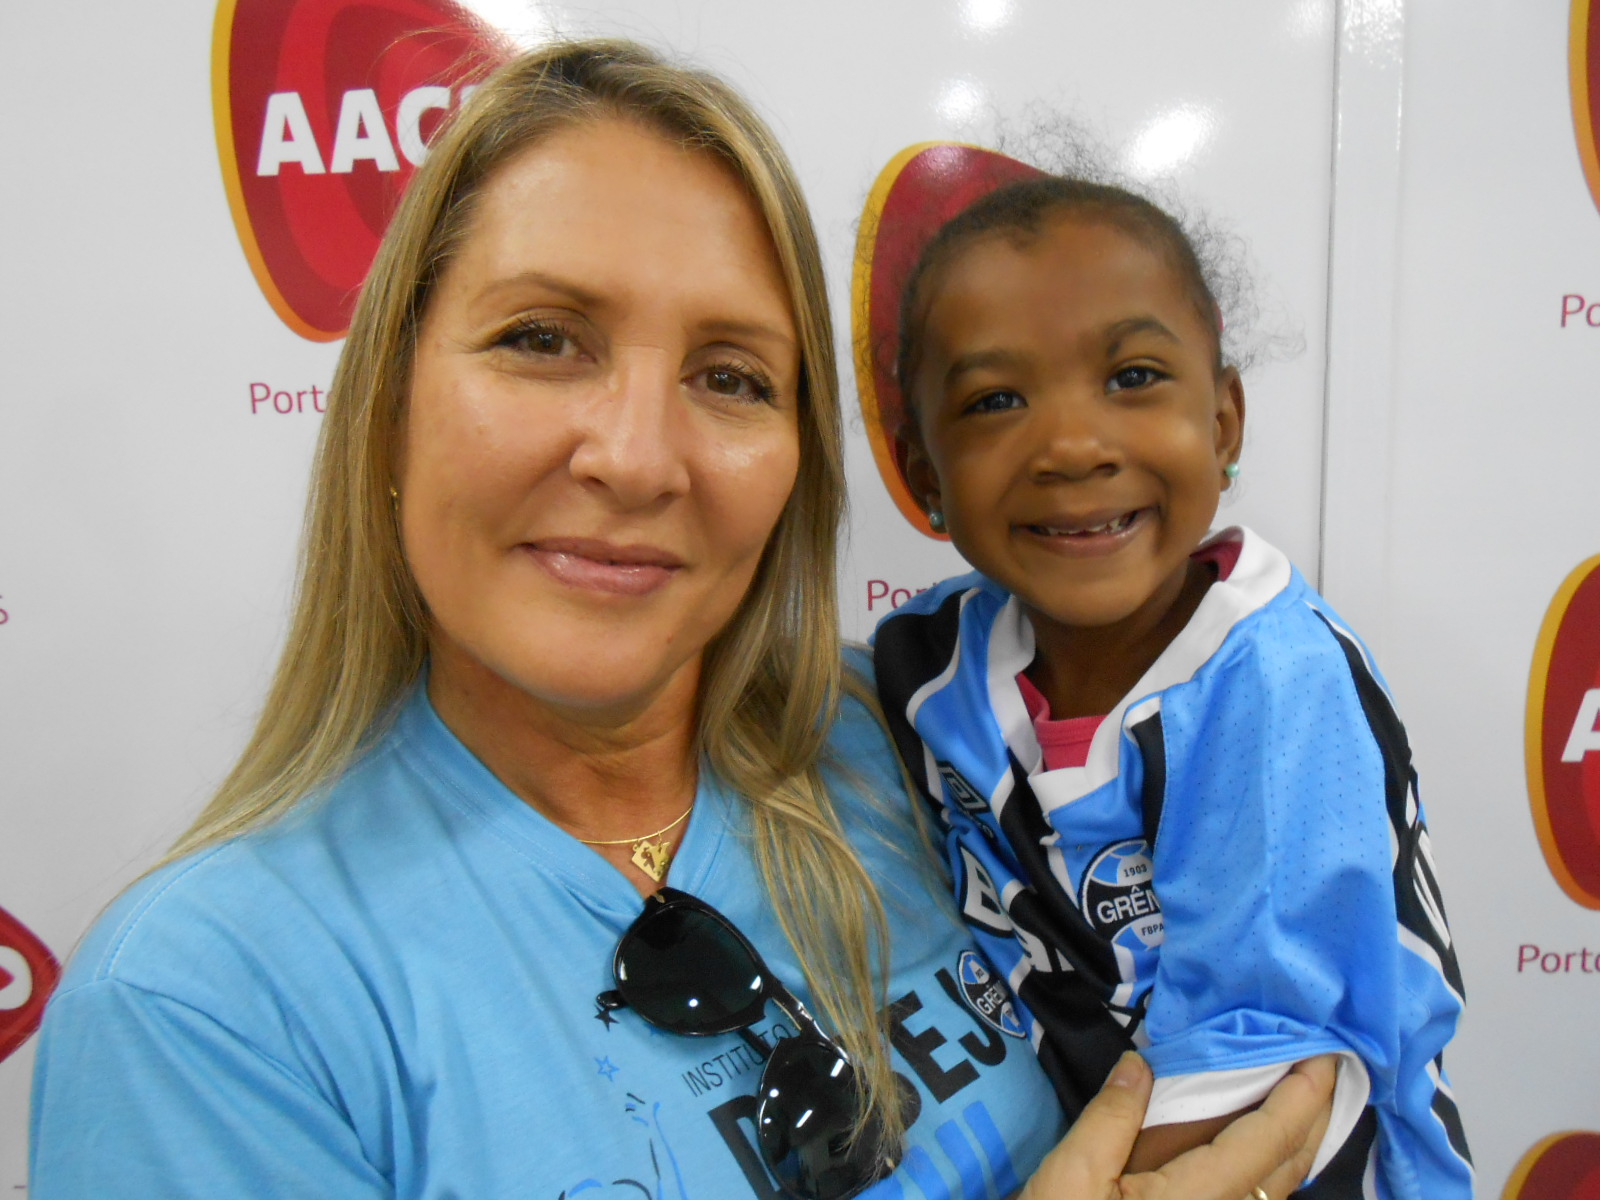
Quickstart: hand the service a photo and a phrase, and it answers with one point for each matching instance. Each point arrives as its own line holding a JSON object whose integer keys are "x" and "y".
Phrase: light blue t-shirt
{"x": 391, "y": 993}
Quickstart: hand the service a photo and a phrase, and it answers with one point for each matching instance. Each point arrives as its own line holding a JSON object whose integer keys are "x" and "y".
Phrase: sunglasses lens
{"x": 686, "y": 972}
{"x": 805, "y": 1119}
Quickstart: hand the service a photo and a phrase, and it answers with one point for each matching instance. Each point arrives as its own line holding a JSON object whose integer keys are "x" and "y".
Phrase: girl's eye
{"x": 737, "y": 383}
{"x": 1132, "y": 378}
{"x": 1000, "y": 401}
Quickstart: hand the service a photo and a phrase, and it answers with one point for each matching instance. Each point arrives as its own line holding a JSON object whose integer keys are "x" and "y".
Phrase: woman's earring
{"x": 394, "y": 495}
{"x": 1231, "y": 471}
{"x": 936, "y": 520}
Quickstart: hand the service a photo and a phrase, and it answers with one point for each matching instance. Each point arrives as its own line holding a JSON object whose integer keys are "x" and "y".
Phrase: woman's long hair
{"x": 771, "y": 680}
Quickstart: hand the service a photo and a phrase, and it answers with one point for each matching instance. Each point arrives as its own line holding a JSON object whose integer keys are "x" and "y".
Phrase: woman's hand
{"x": 1271, "y": 1148}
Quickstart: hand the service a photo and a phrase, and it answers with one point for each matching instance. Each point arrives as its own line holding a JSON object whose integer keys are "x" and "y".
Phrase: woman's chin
{"x": 615, "y": 680}
{"x": 600, "y": 700}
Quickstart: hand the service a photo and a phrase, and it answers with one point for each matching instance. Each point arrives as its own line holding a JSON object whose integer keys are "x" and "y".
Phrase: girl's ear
{"x": 921, "y": 478}
{"x": 1230, "y": 416}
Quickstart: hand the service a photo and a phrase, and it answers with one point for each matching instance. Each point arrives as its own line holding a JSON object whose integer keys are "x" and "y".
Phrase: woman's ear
{"x": 1230, "y": 416}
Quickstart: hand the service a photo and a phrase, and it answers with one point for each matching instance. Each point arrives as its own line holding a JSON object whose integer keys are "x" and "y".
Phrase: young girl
{"x": 1180, "y": 810}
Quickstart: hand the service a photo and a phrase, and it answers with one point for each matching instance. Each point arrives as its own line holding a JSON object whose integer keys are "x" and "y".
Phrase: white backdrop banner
{"x": 196, "y": 193}
{"x": 1478, "y": 438}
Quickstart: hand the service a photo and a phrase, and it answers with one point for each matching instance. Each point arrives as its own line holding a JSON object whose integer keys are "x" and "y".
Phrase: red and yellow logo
{"x": 1583, "y": 74}
{"x": 922, "y": 187}
{"x": 323, "y": 110}
{"x": 1565, "y": 1166}
{"x": 1563, "y": 735}
{"x": 28, "y": 974}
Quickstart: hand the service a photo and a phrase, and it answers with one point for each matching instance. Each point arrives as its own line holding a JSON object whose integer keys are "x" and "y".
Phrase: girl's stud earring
{"x": 935, "y": 520}
{"x": 1231, "y": 470}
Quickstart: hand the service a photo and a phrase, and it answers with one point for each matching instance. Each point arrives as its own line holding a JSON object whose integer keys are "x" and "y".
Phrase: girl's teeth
{"x": 1114, "y": 526}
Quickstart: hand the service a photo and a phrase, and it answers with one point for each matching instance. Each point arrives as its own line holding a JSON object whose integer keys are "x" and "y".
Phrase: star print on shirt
{"x": 608, "y": 1068}
{"x": 603, "y": 1015}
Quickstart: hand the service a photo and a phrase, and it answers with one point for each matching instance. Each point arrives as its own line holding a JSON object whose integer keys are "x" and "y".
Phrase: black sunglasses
{"x": 684, "y": 968}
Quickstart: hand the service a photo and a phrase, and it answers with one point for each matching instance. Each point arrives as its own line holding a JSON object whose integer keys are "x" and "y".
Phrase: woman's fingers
{"x": 1272, "y": 1147}
{"x": 1086, "y": 1163}
{"x": 1322, "y": 1073}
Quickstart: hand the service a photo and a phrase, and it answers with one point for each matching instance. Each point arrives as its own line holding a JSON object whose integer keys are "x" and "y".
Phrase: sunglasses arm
{"x": 797, "y": 1012}
{"x": 755, "y": 1041}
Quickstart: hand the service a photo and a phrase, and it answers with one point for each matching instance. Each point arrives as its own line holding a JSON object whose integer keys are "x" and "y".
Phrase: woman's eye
{"x": 545, "y": 341}
{"x": 1000, "y": 401}
{"x": 1132, "y": 378}
{"x": 736, "y": 383}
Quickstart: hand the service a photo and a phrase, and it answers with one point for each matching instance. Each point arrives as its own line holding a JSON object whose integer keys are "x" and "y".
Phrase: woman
{"x": 566, "y": 616}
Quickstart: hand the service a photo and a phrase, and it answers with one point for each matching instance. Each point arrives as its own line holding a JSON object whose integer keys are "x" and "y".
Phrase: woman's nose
{"x": 631, "y": 444}
{"x": 1074, "y": 441}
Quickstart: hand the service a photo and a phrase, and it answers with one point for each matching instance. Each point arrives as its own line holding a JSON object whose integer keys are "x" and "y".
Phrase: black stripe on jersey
{"x": 1068, "y": 994}
{"x": 1151, "y": 739}
{"x": 1415, "y": 888}
{"x": 910, "y": 649}
{"x": 1044, "y": 907}
{"x": 1450, "y": 1116}
{"x": 1082, "y": 1039}
{"x": 1342, "y": 1178}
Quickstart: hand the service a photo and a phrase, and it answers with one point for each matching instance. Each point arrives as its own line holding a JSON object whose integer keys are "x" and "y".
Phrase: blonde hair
{"x": 771, "y": 679}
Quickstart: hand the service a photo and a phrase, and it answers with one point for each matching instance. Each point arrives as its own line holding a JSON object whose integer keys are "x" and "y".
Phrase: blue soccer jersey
{"x": 1237, "y": 878}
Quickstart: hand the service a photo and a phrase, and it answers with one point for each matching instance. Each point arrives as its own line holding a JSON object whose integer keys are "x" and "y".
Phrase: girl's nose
{"x": 631, "y": 444}
{"x": 1074, "y": 442}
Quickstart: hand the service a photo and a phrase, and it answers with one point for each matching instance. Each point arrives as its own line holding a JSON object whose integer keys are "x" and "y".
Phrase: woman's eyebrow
{"x": 524, "y": 280}
{"x": 513, "y": 286}
{"x": 1121, "y": 331}
{"x": 731, "y": 329}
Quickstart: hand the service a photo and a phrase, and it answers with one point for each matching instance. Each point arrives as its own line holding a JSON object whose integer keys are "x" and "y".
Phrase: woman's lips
{"x": 601, "y": 566}
{"x": 1090, "y": 536}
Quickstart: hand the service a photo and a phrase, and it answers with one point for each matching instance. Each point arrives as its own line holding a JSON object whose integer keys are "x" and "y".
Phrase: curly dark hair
{"x": 1021, "y": 210}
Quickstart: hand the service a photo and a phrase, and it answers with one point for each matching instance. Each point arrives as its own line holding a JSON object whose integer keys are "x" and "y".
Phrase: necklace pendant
{"x": 652, "y": 858}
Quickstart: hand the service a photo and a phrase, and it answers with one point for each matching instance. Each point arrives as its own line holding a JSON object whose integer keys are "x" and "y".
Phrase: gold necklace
{"x": 649, "y": 855}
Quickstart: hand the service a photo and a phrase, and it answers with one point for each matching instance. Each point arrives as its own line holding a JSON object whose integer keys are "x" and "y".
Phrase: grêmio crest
{"x": 323, "y": 110}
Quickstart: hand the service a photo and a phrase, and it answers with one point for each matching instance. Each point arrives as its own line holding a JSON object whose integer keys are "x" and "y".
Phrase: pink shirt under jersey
{"x": 1066, "y": 743}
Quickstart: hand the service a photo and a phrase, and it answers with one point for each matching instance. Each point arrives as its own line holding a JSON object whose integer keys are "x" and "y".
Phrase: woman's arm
{"x": 1270, "y": 1148}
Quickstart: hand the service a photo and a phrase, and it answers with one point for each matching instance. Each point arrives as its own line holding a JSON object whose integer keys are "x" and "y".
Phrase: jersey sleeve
{"x": 137, "y": 1094}
{"x": 1301, "y": 915}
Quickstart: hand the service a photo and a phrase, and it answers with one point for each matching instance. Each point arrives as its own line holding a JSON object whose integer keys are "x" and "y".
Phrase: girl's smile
{"x": 1088, "y": 535}
{"x": 1073, "y": 427}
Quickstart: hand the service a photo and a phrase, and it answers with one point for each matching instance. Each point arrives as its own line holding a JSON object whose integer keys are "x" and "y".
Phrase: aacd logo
{"x": 28, "y": 974}
{"x": 323, "y": 109}
{"x": 1565, "y": 1166}
{"x": 1583, "y": 74}
{"x": 1563, "y": 735}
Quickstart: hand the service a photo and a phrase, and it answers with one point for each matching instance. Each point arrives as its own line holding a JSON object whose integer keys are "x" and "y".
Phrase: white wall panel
{"x": 1486, "y": 465}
